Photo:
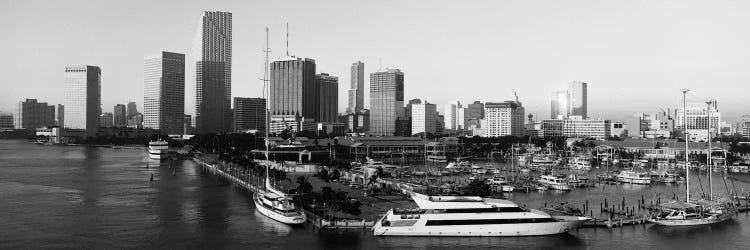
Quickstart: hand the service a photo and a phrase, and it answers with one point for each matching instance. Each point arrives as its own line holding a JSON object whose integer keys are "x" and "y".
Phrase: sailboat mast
{"x": 687, "y": 140}
{"x": 266, "y": 93}
{"x": 708, "y": 156}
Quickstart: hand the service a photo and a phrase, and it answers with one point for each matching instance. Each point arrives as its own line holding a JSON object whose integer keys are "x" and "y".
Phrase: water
{"x": 79, "y": 197}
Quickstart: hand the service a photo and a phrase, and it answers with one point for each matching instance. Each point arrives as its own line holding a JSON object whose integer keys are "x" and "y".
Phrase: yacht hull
{"x": 291, "y": 220}
{"x": 494, "y": 230}
{"x": 693, "y": 222}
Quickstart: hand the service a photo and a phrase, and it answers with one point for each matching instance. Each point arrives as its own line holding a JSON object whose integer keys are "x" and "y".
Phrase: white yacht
{"x": 701, "y": 212}
{"x": 157, "y": 150}
{"x": 277, "y": 205}
{"x": 502, "y": 183}
{"x": 580, "y": 164}
{"x": 556, "y": 182}
{"x": 634, "y": 177}
{"x": 471, "y": 216}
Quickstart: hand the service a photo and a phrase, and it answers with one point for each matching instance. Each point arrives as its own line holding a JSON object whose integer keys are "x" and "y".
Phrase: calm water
{"x": 78, "y": 197}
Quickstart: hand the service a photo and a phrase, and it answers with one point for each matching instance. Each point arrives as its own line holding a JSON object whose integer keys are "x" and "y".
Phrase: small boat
{"x": 501, "y": 181}
{"x": 158, "y": 149}
{"x": 556, "y": 182}
{"x": 471, "y": 216}
{"x": 634, "y": 177}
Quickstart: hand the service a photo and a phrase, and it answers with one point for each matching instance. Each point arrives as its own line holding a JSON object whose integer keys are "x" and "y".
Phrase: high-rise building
{"x": 120, "y": 116}
{"x": 60, "y": 116}
{"x": 358, "y": 122}
{"x": 83, "y": 102}
{"x": 328, "y": 97}
{"x": 502, "y": 119}
{"x": 423, "y": 118}
{"x": 474, "y": 113}
{"x": 164, "y": 92}
{"x": 357, "y": 91}
{"x": 136, "y": 121}
{"x": 454, "y": 115}
{"x": 559, "y": 105}
{"x": 6, "y": 121}
{"x": 106, "y": 120}
{"x": 213, "y": 79}
{"x": 132, "y": 110}
{"x": 249, "y": 114}
{"x": 697, "y": 121}
{"x": 386, "y": 101}
{"x": 293, "y": 91}
{"x": 32, "y": 114}
{"x": 578, "y": 95}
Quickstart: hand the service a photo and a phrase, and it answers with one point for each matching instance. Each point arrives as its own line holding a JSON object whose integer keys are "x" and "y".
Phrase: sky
{"x": 635, "y": 55}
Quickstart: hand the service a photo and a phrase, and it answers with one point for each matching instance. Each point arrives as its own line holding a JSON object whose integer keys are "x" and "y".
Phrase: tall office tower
{"x": 577, "y": 94}
{"x": 474, "y": 113}
{"x": 559, "y": 105}
{"x": 60, "y": 116}
{"x": 329, "y": 97}
{"x": 505, "y": 118}
{"x": 120, "y": 116}
{"x": 106, "y": 120}
{"x": 698, "y": 122}
{"x": 454, "y": 115}
{"x": 132, "y": 110}
{"x": 423, "y": 118}
{"x": 357, "y": 91}
{"x": 293, "y": 91}
{"x": 32, "y": 114}
{"x": 407, "y": 109}
{"x": 83, "y": 98}
{"x": 164, "y": 92}
{"x": 249, "y": 114}
{"x": 213, "y": 73}
{"x": 386, "y": 101}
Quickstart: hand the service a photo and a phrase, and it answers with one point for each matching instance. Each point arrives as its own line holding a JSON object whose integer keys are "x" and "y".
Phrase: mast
{"x": 266, "y": 93}
{"x": 710, "y": 150}
{"x": 687, "y": 140}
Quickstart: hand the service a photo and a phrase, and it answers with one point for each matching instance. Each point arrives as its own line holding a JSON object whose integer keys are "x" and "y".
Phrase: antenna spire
{"x": 287, "y": 39}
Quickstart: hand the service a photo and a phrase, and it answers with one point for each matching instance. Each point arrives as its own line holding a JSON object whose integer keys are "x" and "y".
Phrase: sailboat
{"x": 694, "y": 212}
{"x": 277, "y": 205}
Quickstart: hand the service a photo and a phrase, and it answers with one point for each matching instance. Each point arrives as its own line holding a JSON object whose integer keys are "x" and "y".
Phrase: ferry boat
{"x": 157, "y": 149}
{"x": 277, "y": 205}
{"x": 556, "y": 182}
{"x": 634, "y": 177}
{"x": 471, "y": 216}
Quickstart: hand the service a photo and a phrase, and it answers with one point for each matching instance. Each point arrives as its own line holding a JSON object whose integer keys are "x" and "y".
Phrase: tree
{"x": 335, "y": 175}
{"x": 323, "y": 174}
{"x": 478, "y": 187}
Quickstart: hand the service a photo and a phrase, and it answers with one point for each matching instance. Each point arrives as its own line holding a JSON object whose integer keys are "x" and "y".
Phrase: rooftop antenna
{"x": 380, "y": 64}
{"x": 287, "y": 39}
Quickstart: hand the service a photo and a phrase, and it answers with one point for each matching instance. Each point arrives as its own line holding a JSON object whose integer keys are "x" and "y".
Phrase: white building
{"x": 454, "y": 116}
{"x": 423, "y": 118}
{"x": 503, "y": 119}
{"x": 697, "y": 121}
{"x": 576, "y": 126}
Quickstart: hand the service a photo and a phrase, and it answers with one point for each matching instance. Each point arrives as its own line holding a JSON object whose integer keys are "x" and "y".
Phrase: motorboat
{"x": 580, "y": 164}
{"x": 471, "y": 216}
{"x": 158, "y": 149}
{"x": 556, "y": 182}
{"x": 634, "y": 177}
{"x": 502, "y": 183}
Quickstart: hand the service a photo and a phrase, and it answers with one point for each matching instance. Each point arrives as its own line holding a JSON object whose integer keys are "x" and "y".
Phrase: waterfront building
{"x": 697, "y": 121}
{"x": 454, "y": 116}
{"x": 402, "y": 126}
{"x": 504, "y": 118}
{"x": 474, "y": 113}
{"x": 386, "y": 102}
{"x": 578, "y": 99}
{"x": 423, "y": 118}
{"x": 213, "y": 73}
{"x": 577, "y": 127}
{"x": 120, "y": 116}
{"x": 106, "y": 120}
{"x": 559, "y": 105}
{"x": 83, "y": 103}
{"x": 294, "y": 94}
{"x": 439, "y": 123}
{"x": 60, "y": 116}
{"x": 164, "y": 92}
{"x": 357, "y": 90}
{"x": 32, "y": 114}
{"x": 618, "y": 130}
{"x": 136, "y": 121}
{"x": 552, "y": 128}
{"x": 249, "y": 115}
{"x": 328, "y": 97}
{"x": 6, "y": 121}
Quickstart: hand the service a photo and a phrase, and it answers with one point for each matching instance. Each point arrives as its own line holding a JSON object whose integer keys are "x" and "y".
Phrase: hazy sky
{"x": 635, "y": 55}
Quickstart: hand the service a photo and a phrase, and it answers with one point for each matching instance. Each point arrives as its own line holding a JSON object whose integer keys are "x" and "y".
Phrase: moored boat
{"x": 158, "y": 149}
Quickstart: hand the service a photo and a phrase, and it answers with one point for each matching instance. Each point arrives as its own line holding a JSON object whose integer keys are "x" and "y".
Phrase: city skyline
{"x": 694, "y": 46}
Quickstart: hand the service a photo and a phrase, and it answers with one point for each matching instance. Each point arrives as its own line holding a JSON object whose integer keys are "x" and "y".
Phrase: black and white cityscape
{"x": 375, "y": 125}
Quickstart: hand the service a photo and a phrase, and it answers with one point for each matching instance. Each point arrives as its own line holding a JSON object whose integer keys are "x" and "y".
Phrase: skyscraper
{"x": 106, "y": 120}
{"x": 120, "y": 116}
{"x": 423, "y": 118}
{"x": 474, "y": 113}
{"x": 293, "y": 91}
{"x": 454, "y": 115}
{"x": 559, "y": 105}
{"x": 386, "y": 101}
{"x": 32, "y": 114}
{"x": 132, "y": 109}
{"x": 329, "y": 97}
{"x": 578, "y": 95}
{"x": 213, "y": 79}
{"x": 60, "y": 116}
{"x": 164, "y": 92}
{"x": 83, "y": 103}
{"x": 505, "y": 118}
{"x": 249, "y": 114}
{"x": 357, "y": 91}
